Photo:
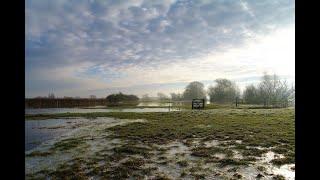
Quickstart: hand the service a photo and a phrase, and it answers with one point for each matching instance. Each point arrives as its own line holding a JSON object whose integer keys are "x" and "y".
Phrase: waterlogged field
{"x": 90, "y": 110}
{"x": 207, "y": 144}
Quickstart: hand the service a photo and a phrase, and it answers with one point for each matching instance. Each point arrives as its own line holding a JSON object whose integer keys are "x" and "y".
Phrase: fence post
{"x": 236, "y": 101}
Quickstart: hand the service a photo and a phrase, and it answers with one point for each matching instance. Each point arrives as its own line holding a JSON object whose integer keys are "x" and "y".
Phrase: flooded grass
{"x": 210, "y": 151}
{"x": 38, "y": 153}
{"x": 128, "y": 149}
{"x": 210, "y": 144}
{"x": 67, "y": 144}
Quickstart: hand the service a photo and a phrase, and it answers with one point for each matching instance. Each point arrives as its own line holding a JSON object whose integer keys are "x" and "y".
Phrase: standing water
{"x": 80, "y": 110}
{"x": 37, "y": 132}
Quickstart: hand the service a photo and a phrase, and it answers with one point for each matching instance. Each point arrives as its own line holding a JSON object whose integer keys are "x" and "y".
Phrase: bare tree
{"x": 292, "y": 97}
{"x": 267, "y": 88}
{"x": 270, "y": 91}
{"x": 51, "y": 96}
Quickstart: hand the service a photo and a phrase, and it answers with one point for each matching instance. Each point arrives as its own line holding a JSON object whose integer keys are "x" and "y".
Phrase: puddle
{"x": 267, "y": 157}
{"x": 175, "y": 149}
{"x": 237, "y": 154}
{"x": 91, "y": 131}
{"x": 171, "y": 170}
{"x": 37, "y": 132}
{"x": 212, "y": 143}
{"x": 41, "y": 131}
{"x": 220, "y": 155}
{"x": 285, "y": 171}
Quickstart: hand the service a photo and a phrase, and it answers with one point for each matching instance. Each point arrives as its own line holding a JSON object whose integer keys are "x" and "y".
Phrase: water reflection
{"x": 155, "y": 104}
{"x": 80, "y": 110}
{"x": 37, "y": 132}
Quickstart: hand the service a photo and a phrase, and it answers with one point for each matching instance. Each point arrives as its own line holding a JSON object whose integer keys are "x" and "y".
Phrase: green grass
{"x": 130, "y": 149}
{"x": 282, "y": 161}
{"x": 125, "y": 169}
{"x": 253, "y": 152}
{"x": 67, "y": 144}
{"x": 67, "y": 170}
{"x": 234, "y": 162}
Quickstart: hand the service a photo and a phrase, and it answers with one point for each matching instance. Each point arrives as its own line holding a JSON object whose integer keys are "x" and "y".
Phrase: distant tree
{"x": 118, "y": 98}
{"x": 162, "y": 96}
{"x": 145, "y": 97}
{"x": 292, "y": 97}
{"x": 51, "y": 96}
{"x": 270, "y": 91}
{"x": 194, "y": 90}
{"x": 93, "y": 97}
{"x": 251, "y": 95}
{"x": 67, "y": 97}
{"x": 176, "y": 96}
{"x": 224, "y": 91}
{"x": 266, "y": 88}
{"x": 41, "y": 97}
{"x": 273, "y": 91}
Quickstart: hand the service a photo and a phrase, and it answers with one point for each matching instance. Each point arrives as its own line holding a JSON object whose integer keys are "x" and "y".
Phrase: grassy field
{"x": 214, "y": 143}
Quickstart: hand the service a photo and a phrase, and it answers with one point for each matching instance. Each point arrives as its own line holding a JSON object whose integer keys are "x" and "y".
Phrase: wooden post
{"x": 236, "y": 101}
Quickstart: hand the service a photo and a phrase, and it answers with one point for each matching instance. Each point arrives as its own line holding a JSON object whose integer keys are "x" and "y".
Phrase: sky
{"x": 99, "y": 47}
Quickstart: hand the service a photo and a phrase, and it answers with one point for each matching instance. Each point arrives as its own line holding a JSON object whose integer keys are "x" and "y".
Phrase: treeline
{"x": 68, "y": 102}
{"x": 122, "y": 99}
{"x": 270, "y": 91}
{"x": 63, "y": 102}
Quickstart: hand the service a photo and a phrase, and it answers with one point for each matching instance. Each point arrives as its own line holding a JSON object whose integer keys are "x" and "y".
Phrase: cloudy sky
{"x": 84, "y": 47}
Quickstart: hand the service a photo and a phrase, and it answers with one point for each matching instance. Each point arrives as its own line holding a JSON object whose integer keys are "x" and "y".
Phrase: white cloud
{"x": 110, "y": 44}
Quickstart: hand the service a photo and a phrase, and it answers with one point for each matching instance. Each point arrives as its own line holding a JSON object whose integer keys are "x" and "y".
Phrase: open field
{"x": 218, "y": 143}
